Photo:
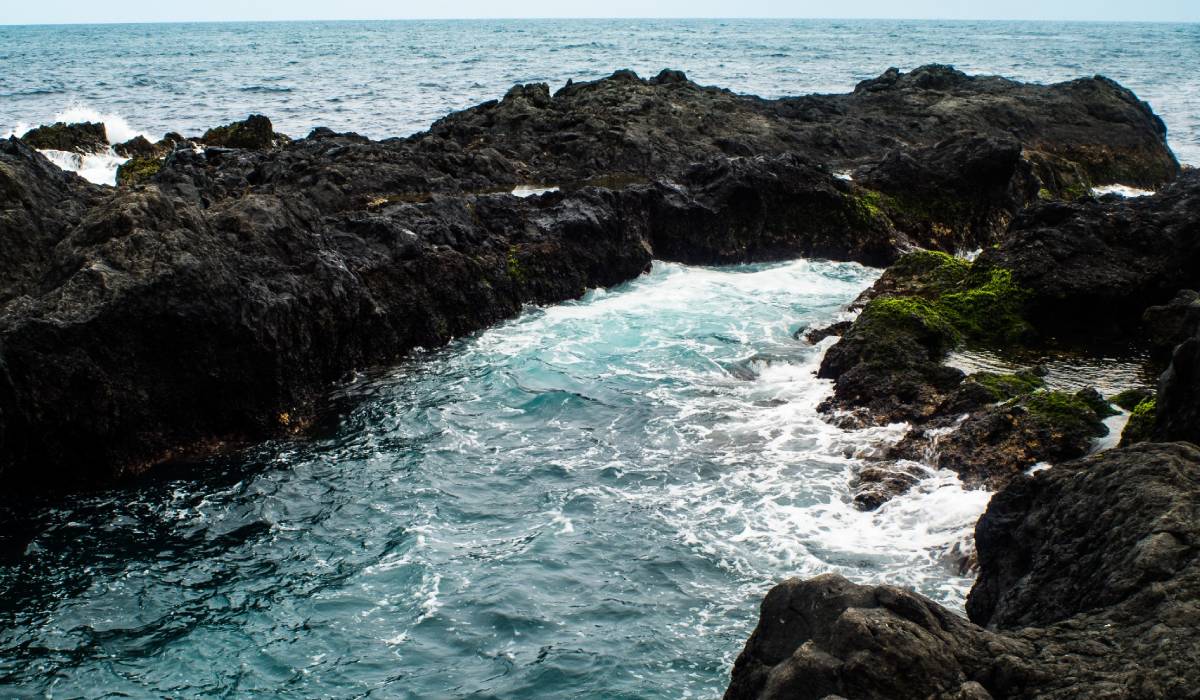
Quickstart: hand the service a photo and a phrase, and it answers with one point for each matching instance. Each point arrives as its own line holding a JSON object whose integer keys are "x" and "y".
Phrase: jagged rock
{"x": 1092, "y": 267}
{"x": 87, "y": 137}
{"x": 254, "y": 132}
{"x": 136, "y": 147}
{"x": 217, "y": 300}
{"x": 993, "y": 445}
{"x": 1089, "y": 586}
{"x": 827, "y": 637}
{"x": 770, "y": 208}
{"x": 138, "y": 169}
{"x": 816, "y": 335}
{"x": 876, "y": 483}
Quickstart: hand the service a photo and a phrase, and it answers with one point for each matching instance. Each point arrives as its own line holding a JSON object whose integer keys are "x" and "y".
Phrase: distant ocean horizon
{"x": 395, "y": 77}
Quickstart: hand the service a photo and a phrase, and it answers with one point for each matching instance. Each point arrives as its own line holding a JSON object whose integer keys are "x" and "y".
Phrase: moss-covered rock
{"x": 918, "y": 317}
{"x": 1141, "y": 423}
{"x": 1130, "y": 398}
{"x": 1063, "y": 413}
{"x": 936, "y": 271}
{"x": 989, "y": 308}
{"x": 1003, "y": 387}
{"x": 1098, "y": 403}
{"x": 137, "y": 170}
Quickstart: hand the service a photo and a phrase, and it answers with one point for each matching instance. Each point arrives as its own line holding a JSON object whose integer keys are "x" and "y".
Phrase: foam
{"x": 1121, "y": 190}
{"x": 532, "y": 190}
{"x": 100, "y": 168}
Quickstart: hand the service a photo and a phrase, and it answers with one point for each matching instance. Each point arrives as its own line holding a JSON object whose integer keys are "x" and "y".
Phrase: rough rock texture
{"x": 1089, "y": 586}
{"x": 995, "y": 443}
{"x": 215, "y": 294}
{"x": 1093, "y": 267}
{"x": 255, "y": 131}
{"x": 87, "y": 137}
{"x": 136, "y": 147}
{"x": 1168, "y": 325}
{"x": 1177, "y": 407}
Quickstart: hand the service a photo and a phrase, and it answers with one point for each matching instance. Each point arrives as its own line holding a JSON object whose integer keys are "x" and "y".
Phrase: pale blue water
{"x": 392, "y": 78}
{"x": 587, "y": 501}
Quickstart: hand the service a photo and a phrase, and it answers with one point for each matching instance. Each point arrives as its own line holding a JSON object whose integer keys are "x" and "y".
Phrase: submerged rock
{"x": 1088, "y": 587}
{"x": 86, "y": 137}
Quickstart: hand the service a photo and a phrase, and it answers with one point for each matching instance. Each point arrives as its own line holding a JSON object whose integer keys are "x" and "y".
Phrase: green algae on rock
{"x": 137, "y": 170}
{"x": 1140, "y": 427}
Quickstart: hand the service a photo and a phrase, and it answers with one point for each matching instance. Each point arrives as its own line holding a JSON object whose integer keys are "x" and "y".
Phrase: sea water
{"x": 386, "y": 79}
{"x": 587, "y": 501}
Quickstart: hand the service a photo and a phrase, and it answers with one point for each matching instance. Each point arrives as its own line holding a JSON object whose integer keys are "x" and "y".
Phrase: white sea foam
{"x": 1122, "y": 190}
{"x": 100, "y": 168}
{"x": 781, "y": 503}
{"x": 532, "y": 190}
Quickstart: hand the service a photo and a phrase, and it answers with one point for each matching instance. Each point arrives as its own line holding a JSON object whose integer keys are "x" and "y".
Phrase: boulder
{"x": 84, "y": 138}
{"x": 254, "y": 132}
{"x": 137, "y": 147}
{"x": 1092, "y": 267}
{"x": 1167, "y": 325}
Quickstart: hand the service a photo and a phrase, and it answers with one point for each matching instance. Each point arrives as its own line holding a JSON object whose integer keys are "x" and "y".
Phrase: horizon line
{"x": 591, "y": 19}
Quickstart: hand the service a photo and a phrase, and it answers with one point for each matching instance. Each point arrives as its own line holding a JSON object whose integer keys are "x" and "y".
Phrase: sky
{"x": 87, "y": 11}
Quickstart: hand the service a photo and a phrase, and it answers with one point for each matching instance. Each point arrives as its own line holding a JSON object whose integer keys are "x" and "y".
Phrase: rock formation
{"x": 214, "y": 296}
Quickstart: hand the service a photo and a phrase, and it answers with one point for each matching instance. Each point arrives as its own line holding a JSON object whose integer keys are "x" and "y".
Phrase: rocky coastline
{"x": 213, "y": 297}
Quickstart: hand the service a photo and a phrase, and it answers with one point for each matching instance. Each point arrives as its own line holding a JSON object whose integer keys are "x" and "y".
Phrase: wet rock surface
{"x": 214, "y": 296}
{"x": 1089, "y": 586}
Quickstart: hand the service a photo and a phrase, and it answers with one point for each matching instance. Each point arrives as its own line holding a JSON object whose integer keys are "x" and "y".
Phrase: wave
{"x": 115, "y": 126}
{"x": 100, "y": 168}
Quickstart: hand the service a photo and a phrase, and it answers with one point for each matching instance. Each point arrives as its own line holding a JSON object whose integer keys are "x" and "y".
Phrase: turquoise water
{"x": 393, "y": 78}
{"x": 586, "y": 501}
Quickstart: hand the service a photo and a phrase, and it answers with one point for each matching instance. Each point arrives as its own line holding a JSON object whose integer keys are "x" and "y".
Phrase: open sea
{"x": 587, "y": 501}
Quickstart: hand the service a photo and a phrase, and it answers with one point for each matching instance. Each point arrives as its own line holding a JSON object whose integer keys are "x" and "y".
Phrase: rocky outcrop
{"x": 86, "y": 137}
{"x": 1093, "y": 267}
{"x": 1084, "y": 272}
{"x": 255, "y": 132}
{"x": 215, "y": 295}
{"x": 1088, "y": 587}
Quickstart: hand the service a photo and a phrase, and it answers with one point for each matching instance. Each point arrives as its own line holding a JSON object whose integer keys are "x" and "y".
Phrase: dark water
{"x": 588, "y": 501}
{"x": 393, "y": 78}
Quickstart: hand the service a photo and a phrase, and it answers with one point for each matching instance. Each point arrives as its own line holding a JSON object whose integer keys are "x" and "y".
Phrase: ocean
{"x": 587, "y": 501}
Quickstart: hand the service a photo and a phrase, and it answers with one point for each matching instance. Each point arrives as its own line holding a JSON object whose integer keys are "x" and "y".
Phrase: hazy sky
{"x": 47, "y": 11}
